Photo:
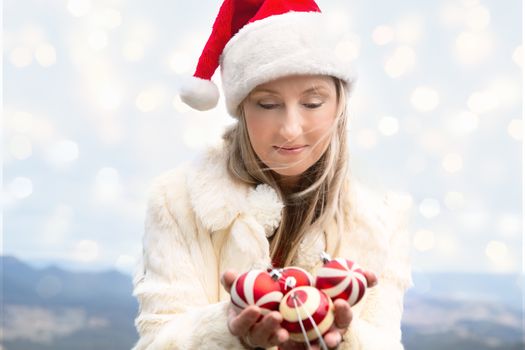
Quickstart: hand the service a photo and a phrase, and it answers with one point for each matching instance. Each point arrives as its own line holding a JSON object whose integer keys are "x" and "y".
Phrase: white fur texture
{"x": 200, "y": 94}
{"x": 200, "y": 222}
{"x": 287, "y": 44}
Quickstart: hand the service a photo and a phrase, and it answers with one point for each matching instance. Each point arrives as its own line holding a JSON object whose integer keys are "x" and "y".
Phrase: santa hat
{"x": 256, "y": 41}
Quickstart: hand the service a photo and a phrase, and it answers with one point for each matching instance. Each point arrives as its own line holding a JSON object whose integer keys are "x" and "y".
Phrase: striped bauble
{"x": 292, "y": 277}
{"x": 342, "y": 279}
{"x": 304, "y": 305}
{"x": 256, "y": 287}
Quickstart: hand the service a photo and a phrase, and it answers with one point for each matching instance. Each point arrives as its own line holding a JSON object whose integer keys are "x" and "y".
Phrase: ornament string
{"x": 303, "y": 330}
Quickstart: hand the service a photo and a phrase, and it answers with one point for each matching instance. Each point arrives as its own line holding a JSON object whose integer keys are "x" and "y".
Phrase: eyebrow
{"x": 309, "y": 90}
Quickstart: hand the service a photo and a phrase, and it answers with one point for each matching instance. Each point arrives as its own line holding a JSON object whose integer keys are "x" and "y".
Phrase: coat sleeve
{"x": 378, "y": 325}
{"x": 174, "y": 308}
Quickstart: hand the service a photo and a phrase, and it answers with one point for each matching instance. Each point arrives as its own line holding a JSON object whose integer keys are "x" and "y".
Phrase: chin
{"x": 290, "y": 172}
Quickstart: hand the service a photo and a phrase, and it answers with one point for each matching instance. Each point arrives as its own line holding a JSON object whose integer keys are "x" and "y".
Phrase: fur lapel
{"x": 218, "y": 200}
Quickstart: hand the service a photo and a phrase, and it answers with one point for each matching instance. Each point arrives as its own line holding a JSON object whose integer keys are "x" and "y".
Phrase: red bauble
{"x": 256, "y": 287}
{"x": 302, "y": 305}
{"x": 292, "y": 277}
{"x": 342, "y": 279}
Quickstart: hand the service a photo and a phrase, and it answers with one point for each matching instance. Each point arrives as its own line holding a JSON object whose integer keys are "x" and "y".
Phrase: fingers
{"x": 227, "y": 279}
{"x": 240, "y": 324}
{"x": 265, "y": 332}
{"x": 265, "y": 329}
{"x": 332, "y": 339}
{"x": 342, "y": 320}
{"x": 371, "y": 278}
{"x": 342, "y": 314}
{"x": 279, "y": 337}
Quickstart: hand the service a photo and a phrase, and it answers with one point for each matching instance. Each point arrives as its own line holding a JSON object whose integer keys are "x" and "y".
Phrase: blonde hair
{"x": 317, "y": 197}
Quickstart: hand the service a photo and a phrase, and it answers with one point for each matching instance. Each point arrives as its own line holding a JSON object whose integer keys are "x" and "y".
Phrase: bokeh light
{"x": 62, "y": 152}
{"x": 133, "y": 51}
{"x": 474, "y": 47}
{"x": 424, "y": 240}
{"x": 447, "y": 244}
{"x": 109, "y": 18}
{"x": 452, "y": 163}
{"x": 463, "y": 123}
{"x": 383, "y": 35}
{"x": 424, "y": 99}
{"x": 366, "y": 138}
{"x": 98, "y": 39}
{"x": 108, "y": 95}
{"x": 20, "y": 187}
{"x": 180, "y": 62}
{"x": 45, "y": 55}
{"x": 57, "y": 225}
{"x": 403, "y": 59}
{"x": 409, "y": 29}
{"x": 149, "y": 99}
{"x": 432, "y": 141}
{"x": 388, "y": 125}
{"x": 482, "y": 102}
{"x": 20, "y": 147}
{"x": 21, "y": 56}
{"x": 429, "y": 208}
{"x": 455, "y": 200}
{"x": 86, "y": 250}
{"x": 498, "y": 254}
{"x": 509, "y": 225}
{"x": 19, "y": 121}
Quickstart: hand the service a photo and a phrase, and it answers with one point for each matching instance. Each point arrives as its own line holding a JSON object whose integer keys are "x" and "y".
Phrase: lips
{"x": 290, "y": 148}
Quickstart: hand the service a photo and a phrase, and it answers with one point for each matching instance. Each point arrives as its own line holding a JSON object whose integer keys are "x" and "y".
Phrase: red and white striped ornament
{"x": 291, "y": 277}
{"x": 308, "y": 313}
{"x": 256, "y": 287}
{"x": 342, "y": 279}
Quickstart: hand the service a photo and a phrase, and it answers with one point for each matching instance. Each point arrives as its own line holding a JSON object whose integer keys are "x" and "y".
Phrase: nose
{"x": 291, "y": 126}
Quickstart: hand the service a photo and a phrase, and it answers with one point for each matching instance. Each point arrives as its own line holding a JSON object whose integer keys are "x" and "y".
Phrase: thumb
{"x": 227, "y": 279}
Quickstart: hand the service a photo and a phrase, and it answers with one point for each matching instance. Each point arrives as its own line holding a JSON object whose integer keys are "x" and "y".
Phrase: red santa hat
{"x": 256, "y": 41}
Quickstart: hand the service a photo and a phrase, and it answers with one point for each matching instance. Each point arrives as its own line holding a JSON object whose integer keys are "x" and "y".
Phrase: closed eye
{"x": 268, "y": 105}
{"x": 312, "y": 105}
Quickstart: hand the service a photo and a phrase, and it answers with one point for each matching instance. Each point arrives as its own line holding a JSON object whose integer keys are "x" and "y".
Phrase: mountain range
{"x": 54, "y": 309}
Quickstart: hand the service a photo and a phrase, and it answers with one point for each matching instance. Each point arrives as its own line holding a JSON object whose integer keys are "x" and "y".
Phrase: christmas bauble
{"x": 256, "y": 287}
{"x": 292, "y": 277}
{"x": 304, "y": 309}
{"x": 342, "y": 279}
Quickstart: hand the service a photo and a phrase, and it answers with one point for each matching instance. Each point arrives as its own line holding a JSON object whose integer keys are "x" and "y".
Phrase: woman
{"x": 275, "y": 192}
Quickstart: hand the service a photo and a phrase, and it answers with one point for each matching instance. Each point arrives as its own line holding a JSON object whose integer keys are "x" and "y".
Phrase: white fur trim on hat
{"x": 289, "y": 44}
{"x": 200, "y": 94}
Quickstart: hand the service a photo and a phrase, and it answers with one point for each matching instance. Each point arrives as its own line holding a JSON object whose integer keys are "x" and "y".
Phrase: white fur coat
{"x": 200, "y": 223}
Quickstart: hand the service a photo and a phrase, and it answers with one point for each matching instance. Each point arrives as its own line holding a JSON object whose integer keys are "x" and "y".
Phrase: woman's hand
{"x": 265, "y": 333}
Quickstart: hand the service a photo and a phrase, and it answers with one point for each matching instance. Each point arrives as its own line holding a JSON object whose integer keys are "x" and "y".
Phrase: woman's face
{"x": 290, "y": 122}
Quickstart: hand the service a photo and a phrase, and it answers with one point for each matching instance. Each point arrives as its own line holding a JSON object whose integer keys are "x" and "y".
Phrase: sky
{"x": 91, "y": 117}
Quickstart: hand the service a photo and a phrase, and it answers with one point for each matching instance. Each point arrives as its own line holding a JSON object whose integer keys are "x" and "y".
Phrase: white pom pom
{"x": 200, "y": 94}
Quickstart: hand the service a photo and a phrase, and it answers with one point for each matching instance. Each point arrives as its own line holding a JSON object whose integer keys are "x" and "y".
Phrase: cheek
{"x": 321, "y": 128}
{"x": 258, "y": 132}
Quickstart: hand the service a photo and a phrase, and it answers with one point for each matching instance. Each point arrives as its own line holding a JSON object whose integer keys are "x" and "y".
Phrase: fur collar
{"x": 218, "y": 200}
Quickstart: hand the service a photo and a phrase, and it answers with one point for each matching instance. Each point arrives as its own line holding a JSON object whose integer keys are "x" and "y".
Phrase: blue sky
{"x": 91, "y": 116}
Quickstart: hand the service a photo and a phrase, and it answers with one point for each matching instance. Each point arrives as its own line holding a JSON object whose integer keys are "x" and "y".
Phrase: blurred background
{"x": 91, "y": 116}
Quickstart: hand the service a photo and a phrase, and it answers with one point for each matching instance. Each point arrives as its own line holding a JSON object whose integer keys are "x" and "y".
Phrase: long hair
{"x": 317, "y": 196}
